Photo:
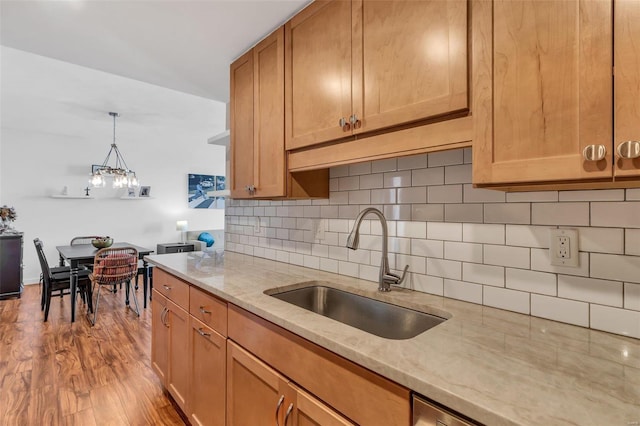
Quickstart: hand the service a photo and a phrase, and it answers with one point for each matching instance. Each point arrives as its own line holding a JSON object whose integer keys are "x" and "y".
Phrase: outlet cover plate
{"x": 563, "y": 247}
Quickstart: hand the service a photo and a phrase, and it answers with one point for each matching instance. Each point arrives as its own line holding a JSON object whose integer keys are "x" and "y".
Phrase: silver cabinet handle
{"x": 346, "y": 126}
{"x": 250, "y": 189}
{"x": 280, "y": 401}
{"x": 355, "y": 122}
{"x": 286, "y": 416}
{"x": 163, "y": 316}
{"x": 203, "y": 333}
{"x": 629, "y": 150}
{"x": 594, "y": 152}
{"x": 204, "y": 311}
{"x": 166, "y": 287}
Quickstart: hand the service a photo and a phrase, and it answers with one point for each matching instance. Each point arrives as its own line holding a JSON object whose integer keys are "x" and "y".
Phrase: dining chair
{"x": 60, "y": 281}
{"x": 113, "y": 266}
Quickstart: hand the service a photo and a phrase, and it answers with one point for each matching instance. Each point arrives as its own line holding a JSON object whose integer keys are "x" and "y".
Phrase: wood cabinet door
{"x": 409, "y": 60}
{"x": 542, "y": 89}
{"x": 178, "y": 377}
{"x": 627, "y": 81}
{"x": 255, "y": 392}
{"x": 268, "y": 116}
{"x": 241, "y": 125}
{"x": 159, "y": 337}
{"x": 207, "y": 401}
{"x": 317, "y": 73}
{"x": 309, "y": 411}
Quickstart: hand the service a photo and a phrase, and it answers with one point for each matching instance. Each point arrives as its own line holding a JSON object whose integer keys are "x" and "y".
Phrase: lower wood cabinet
{"x": 159, "y": 337}
{"x": 259, "y": 395}
{"x": 208, "y": 361}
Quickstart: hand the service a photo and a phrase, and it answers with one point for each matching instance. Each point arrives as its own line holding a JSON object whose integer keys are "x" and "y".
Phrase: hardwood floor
{"x": 59, "y": 373}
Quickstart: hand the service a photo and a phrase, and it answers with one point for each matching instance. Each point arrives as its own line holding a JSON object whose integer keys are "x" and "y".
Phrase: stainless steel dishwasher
{"x": 426, "y": 414}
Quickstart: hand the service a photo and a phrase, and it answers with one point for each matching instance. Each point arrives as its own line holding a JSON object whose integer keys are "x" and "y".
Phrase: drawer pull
{"x": 204, "y": 311}
{"x": 594, "y": 152}
{"x": 288, "y": 413}
{"x": 166, "y": 287}
{"x": 203, "y": 333}
{"x": 629, "y": 150}
{"x": 280, "y": 401}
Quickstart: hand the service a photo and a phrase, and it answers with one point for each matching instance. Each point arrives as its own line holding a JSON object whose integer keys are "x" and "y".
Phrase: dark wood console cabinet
{"x": 10, "y": 265}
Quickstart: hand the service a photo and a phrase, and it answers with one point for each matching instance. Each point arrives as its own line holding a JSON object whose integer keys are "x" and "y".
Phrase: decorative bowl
{"x": 102, "y": 242}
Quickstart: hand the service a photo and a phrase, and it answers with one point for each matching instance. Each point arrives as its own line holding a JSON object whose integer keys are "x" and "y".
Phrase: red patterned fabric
{"x": 114, "y": 268}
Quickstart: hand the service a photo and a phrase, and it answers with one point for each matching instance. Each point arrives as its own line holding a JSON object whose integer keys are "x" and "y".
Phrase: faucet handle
{"x": 394, "y": 279}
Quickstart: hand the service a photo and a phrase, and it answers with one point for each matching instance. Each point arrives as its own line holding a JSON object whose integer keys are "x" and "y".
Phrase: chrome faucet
{"x": 386, "y": 278}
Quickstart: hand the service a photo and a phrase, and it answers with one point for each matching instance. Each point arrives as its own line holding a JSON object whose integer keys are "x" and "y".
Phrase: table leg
{"x": 145, "y": 281}
{"x": 74, "y": 288}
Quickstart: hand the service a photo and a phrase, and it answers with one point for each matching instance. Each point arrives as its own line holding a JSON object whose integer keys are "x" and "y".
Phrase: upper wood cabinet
{"x": 358, "y": 66}
{"x": 627, "y": 86}
{"x": 544, "y": 91}
{"x": 257, "y": 120}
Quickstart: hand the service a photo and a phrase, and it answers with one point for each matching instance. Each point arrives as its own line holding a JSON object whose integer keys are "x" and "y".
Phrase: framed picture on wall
{"x": 145, "y": 191}
{"x": 203, "y": 190}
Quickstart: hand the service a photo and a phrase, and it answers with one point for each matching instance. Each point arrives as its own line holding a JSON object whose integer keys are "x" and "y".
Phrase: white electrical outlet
{"x": 256, "y": 225}
{"x": 318, "y": 225}
{"x": 563, "y": 247}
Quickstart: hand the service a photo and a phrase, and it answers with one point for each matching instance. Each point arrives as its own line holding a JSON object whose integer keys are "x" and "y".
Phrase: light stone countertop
{"x": 494, "y": 366}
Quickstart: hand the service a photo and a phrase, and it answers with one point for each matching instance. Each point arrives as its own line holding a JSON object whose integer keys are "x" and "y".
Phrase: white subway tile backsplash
{"x": 444, "y": 231}
{"x": 632, "y": 296}
{"x": 540, "y": 262}
{"x": 427, "y": 248}
{"x": 563, "y": 310}
{"x": 427, "y": 284}
{"x": 414, "y": 195}
{"x": 444, "y": 194}
{"x": 532, "y": 281}
{"x": 412, "y": 162}
{"x": 411, "y": 229}
{"x": 457, "y": 174}
{"x": 470, "y": 213}
{"x": 427, "y": 212}
{"x": 590, "y": 290}
{"x": 425, "y": 177}
{"x": 360, "y": 169}
{"x": 576, "y": 214}
{"x": 479, "y": 245}
{"x": 397, "y": 179}
{"x": 632, "y": 241}
{"x": 515, "y": 257}
{"x": 461, "y": 290}
{"x": 614, "y": 320}
{"x": 615, "y": 267}
{"x": 616, "y": 215}
{"x": 446, "y": 158}
{"x": 601, "y": 240}
{"x": 483, "y": 274}
{"x": 480, "y": 233}
{"x": 502, "y": 298}
{"x": 444, "y": 268}
{"x": 527, "y": 197}
{"x": 514, "y": 213}
{"x": 465, "y": 252}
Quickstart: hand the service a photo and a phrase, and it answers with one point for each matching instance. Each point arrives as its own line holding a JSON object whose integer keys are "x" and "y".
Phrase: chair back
{"x": 115, "y": 265}
{"x": 44, "y": 265}
{"x": 83, "y": 240}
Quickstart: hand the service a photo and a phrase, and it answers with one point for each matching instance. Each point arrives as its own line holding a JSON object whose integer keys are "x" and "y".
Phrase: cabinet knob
{"x": 355, "y": 122}
{"x": 629, "y": 150}
{"x": 346, "y": 126}
{"x": 250, "y": 189}
{"x": 594, "y": 152}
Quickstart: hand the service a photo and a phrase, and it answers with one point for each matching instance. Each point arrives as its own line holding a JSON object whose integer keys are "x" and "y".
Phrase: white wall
{"x": 481, "y": 246}
{"x": 55, "y": 125}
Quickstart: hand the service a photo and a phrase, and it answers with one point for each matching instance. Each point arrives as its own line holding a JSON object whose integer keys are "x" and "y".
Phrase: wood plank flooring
{"x": 59, "y": 373}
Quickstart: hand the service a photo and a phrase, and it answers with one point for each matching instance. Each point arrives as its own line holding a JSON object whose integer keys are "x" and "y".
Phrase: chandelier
{"x": 120, "y": 173}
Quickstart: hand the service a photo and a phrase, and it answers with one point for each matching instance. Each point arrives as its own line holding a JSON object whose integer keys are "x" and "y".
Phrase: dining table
{"x": 82, "y": 253}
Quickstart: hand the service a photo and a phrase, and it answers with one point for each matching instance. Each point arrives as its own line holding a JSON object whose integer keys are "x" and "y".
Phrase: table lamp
{"x": 182, "y": 226}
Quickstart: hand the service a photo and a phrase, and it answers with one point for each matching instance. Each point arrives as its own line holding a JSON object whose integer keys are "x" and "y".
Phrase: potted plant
{"x": 7, "y": 215}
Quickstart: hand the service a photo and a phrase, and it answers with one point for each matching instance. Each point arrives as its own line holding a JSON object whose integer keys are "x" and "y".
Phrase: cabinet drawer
{"x": 172, "y": 288}
{"x": 343, "y": 385}
{"x": 208, "y": 309}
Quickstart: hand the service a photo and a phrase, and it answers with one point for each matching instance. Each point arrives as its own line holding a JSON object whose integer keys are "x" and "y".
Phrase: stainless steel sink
{"x": 370, "y": 315}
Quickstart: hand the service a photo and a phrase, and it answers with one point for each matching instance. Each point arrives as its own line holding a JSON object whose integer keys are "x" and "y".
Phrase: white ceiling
{"x": 185, "y": 45}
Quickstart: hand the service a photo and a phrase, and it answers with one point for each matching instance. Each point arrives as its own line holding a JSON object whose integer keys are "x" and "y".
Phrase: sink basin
{"x": 370, "y": 315}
